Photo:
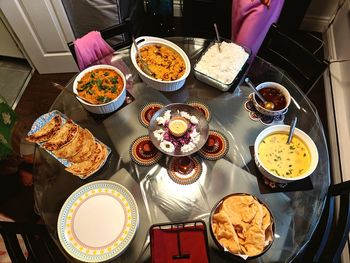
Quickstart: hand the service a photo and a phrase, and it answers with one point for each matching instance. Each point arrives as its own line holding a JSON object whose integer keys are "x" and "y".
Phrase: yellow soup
{"x": 282, "y": 159}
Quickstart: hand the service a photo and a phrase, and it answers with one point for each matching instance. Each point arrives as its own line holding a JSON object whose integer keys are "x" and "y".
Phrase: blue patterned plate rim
{"x": 44, "y": 119}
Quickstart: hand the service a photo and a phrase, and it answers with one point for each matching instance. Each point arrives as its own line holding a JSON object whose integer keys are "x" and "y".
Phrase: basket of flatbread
{"x": 242, "y": 225}
{"x": 75, "y": 147}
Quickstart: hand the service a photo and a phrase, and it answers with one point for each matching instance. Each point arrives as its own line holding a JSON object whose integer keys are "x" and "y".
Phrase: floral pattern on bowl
{"x": 255, "y": 115}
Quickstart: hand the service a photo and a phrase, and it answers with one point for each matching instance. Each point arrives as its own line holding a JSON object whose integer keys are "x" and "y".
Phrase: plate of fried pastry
{"x": 242, "y": 225}
{"x": 75, "y": 147}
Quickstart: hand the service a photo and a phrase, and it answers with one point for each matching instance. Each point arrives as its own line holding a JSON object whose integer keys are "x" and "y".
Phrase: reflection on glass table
{"x": 160, "y": 199}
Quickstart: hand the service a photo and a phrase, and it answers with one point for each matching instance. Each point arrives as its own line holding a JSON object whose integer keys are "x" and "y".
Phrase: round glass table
{"x": 296, "y": 209}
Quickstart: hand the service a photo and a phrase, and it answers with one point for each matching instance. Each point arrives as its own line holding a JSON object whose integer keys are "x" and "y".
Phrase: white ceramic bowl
{"x": 106, "y": 107}
{"x": 152, "y": 82}
{"x": 303, "y": 136}
{"x": 279, "y": 87}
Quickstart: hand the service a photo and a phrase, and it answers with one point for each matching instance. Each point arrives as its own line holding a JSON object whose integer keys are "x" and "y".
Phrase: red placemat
{"x": 179, "y": 243}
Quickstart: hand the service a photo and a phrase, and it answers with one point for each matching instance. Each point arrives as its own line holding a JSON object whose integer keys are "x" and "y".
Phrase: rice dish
{"x": 223, "y": 66}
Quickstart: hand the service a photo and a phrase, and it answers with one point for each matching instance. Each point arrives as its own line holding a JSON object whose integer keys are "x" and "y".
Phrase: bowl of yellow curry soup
{"x": 275, "y": 93}
{"x": 281, "y": 162}
{"x": 242, "y": 226}
{"x": 168, "y": 63}
{"x": 103, "y": 85}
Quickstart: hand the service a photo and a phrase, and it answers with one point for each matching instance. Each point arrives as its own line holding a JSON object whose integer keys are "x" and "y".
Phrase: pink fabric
{"x": 251, "y": 21}
{"x": 91, "y": 48}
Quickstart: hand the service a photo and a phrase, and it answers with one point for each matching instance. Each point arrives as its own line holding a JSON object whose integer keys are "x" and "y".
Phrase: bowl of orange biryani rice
{"x": 242, "y": 226}
{"x": 168, "y": 64}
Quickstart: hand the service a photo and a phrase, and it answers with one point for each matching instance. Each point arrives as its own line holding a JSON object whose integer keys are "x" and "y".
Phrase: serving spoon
{"x": 60, "y": 87}
{"x": 269, "y": 105}
{"x": 291, "y": 130}
{"x": 217, "y": 37}
{"x": 145, "y": 67}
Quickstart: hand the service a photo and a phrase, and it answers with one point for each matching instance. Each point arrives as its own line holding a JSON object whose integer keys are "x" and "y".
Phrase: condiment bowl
{"x": 269, "y": 232}
{"x": 273, "y": 112}
{"x": 157, "y": 84}
{"x": 105, "y": 107}
{"x": 284, "y": 129}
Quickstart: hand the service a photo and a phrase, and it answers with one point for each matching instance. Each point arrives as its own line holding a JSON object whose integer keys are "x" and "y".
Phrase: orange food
{"x": 100, "y": 86}
{"x": 242, "y": 225}
{"x": 165, "y": 63}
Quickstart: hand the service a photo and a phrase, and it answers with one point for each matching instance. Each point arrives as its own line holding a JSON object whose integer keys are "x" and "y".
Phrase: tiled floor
{"x": 14, "y": 75}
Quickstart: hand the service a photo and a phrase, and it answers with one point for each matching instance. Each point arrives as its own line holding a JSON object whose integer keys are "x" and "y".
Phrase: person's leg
{"x": 251, "y": 21}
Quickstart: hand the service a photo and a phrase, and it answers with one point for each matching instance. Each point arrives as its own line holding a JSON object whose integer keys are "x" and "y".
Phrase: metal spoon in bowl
{"x": 145, "y": 67}
{"x": 291, "y": 130}
{"x": 60, "y": 87}
{"x": 269, "y": 105}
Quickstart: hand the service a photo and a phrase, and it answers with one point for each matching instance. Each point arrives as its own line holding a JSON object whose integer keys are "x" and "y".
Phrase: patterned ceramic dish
{"x": 152, "y": 82}
{"x": 44, "y": 119}
{"x": 304, "y": 138}
{"x": 98, "y": 221}
{"x": 105, "y": 107}
{"x": 278, "y": 87}
{"x": 202, "y": 128}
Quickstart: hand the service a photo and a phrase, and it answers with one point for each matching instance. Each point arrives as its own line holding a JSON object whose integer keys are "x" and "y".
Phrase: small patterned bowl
{"x": 279, "y": 87}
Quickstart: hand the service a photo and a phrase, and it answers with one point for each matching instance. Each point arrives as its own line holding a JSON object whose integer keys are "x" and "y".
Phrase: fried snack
{"x": 47, "y": 131}
{"x": 73, "y": 147}
{"x": 64, "y": 135}
{"x": 84, "y": 168}
{"x": 86, "y": 150}
{"x": 248, "y": 223}
{"x": 225, "y": 233}
{"x": 164, "y": 62}
{"x": 254, "y": 242}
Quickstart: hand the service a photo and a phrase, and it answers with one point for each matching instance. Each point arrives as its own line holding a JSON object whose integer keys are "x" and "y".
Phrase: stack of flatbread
{"x": 71, "y": 142}
{"x": 242, "y": 225}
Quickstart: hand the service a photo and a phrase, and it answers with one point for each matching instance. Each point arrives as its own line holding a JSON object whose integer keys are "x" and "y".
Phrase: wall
{"x": 338, "y": 38}
{"x": 8, "y": 46}
{"x": 319, "y": 14}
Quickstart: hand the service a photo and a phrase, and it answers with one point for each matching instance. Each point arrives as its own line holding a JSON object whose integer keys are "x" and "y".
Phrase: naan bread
{"x": 72, "y": 147}
{"x": 87, "y": 148}
{"x": 67, "y": 132}
{"x": 86, "y": 167}
{"x": 47, "y": 131}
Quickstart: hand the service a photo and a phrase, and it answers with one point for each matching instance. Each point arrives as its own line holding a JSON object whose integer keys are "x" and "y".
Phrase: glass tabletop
{"x": 160, "y": 199}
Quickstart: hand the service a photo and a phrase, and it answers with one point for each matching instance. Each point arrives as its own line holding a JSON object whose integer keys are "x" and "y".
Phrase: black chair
{"x": 332, "y": 232}
{"x": 38, "y": 242}
{"x": 124, "y": 29}
{"x": 298, "y": 62}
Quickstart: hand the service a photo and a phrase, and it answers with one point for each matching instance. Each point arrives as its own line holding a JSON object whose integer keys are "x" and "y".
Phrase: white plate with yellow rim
{"x": 98, "y": 221}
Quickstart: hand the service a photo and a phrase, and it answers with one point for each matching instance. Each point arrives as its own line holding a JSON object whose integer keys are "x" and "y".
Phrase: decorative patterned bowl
{"x": 155, "y": 83}
{"x": 280, "y": 88}
{"x": 105, "y": 107}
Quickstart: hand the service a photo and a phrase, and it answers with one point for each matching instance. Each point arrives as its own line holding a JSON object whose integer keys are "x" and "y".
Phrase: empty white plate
{"x": 98, "y": 221}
